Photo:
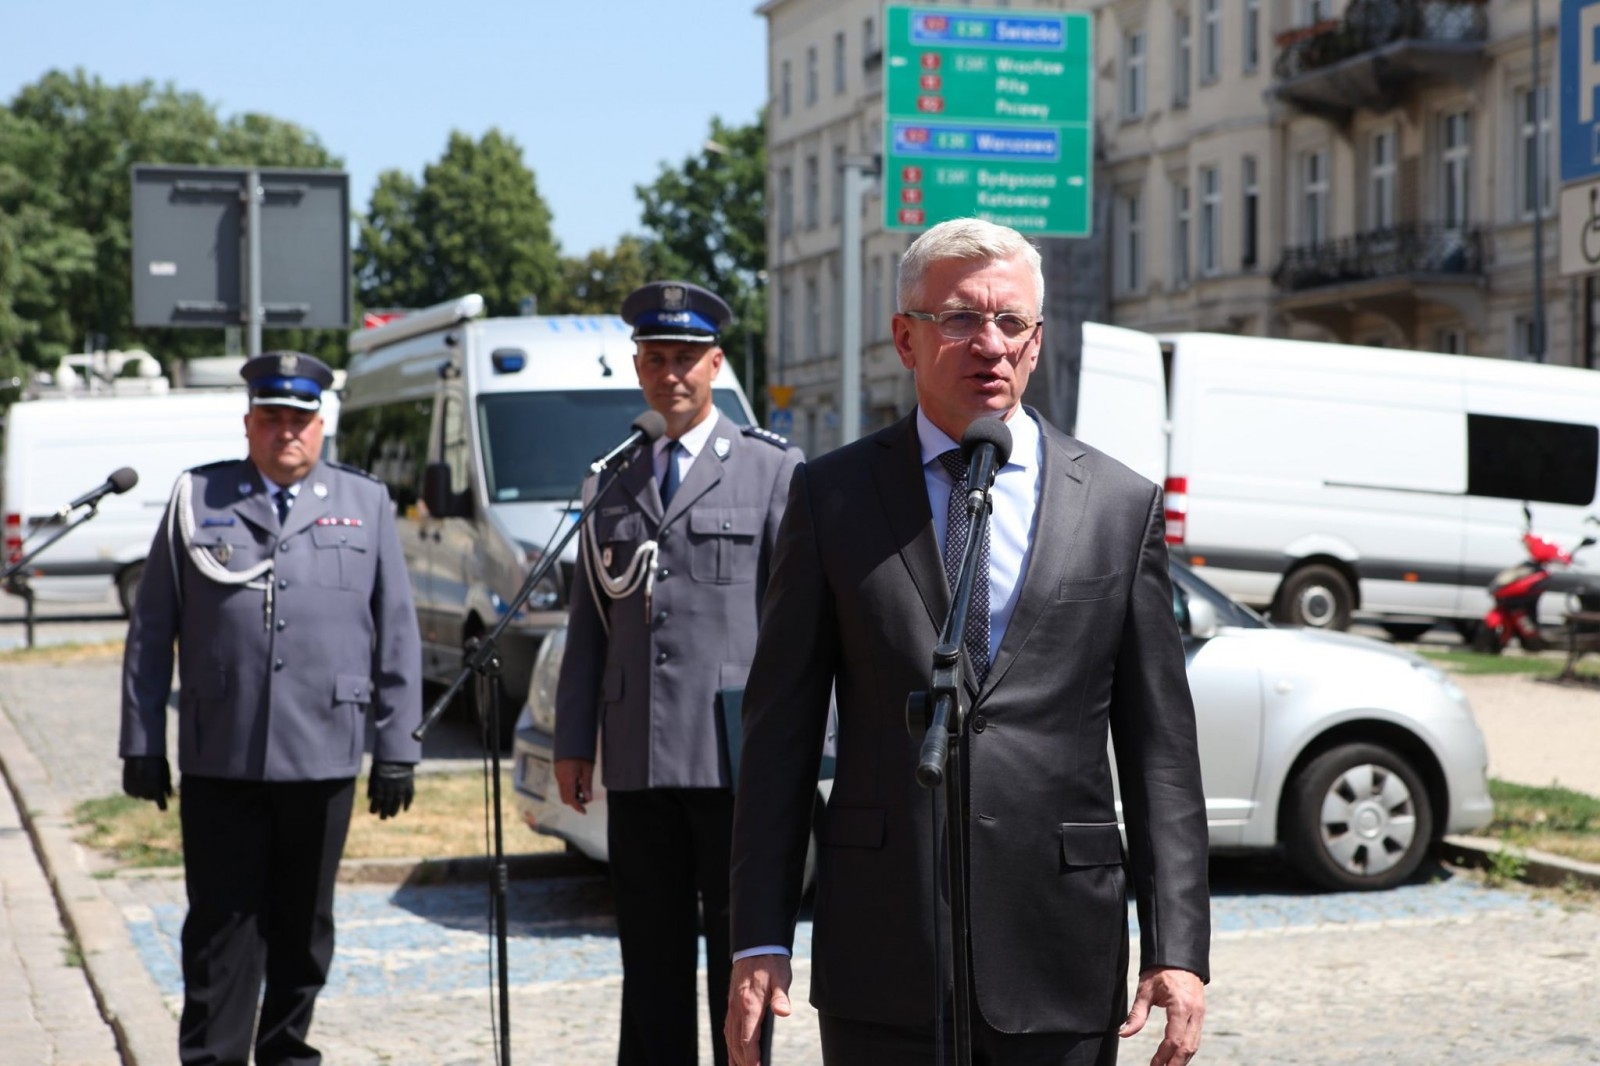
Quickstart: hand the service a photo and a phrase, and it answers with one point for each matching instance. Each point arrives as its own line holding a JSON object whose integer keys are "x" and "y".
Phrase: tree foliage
{"x": 67, "y": 146}
{"x": 707, "y": 220}
{"x": 475, "y": 223}
{"x": 597, "y": 283}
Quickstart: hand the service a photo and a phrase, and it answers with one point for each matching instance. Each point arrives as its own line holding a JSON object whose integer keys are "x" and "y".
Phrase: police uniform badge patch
{"x": 605, "y": 558}
{"x": 722, "y": 446}
{"x": 673, "y": 297}
{"x": 222, "y": 552}
{"x": 320, "y": 490}
{"x": 288, "y": 364}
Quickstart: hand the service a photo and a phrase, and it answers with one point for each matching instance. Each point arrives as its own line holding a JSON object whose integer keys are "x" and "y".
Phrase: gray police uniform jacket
{"x": 276, "y": 685}
{"x": 647, "y": 689}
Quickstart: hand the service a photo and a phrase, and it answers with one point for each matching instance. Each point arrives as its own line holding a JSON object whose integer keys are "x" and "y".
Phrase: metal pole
{"x": 252, "y": 237}
{"x": 1538, "y": 198}
{"x": 857, "y": 169}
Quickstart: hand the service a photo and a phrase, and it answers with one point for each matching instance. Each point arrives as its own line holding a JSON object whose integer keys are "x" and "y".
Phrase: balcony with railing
{"x": 1377, "y": 50}
{"x": 1389, "y": 272}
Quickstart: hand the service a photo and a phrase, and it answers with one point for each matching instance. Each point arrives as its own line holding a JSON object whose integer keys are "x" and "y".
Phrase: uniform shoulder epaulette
{"x": 777, "y": 440}
{"x": 217, "y": 465}
{"x": 347, "y": 468}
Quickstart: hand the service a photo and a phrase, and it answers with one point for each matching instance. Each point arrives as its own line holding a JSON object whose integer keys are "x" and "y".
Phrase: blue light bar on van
{"x": 508, "y": 360}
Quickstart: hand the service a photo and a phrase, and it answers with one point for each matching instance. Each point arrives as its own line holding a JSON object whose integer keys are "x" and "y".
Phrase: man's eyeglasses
{"x": 960, "y": 324}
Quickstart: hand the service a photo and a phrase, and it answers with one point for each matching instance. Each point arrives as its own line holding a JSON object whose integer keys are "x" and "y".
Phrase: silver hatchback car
{"x": 1351, "y": 756}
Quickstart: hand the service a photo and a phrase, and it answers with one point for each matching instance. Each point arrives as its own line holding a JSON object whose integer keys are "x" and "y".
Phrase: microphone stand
{"x": 483, "y": 660}
{"x": 939, "y": 716}
{"x": 14, "y": 568}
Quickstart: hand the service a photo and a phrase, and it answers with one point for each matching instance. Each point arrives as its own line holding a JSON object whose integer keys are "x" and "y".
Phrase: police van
{"x": 77, "y": 431}
{"x": 483, "y": 430}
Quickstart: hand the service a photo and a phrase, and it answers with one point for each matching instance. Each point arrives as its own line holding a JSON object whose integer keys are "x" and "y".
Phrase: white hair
{"x": 964, "y": 238}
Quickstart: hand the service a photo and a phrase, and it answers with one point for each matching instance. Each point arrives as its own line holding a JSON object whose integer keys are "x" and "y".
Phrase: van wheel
{"x": 128, "y": 586}
{"x": 1315, "y": 596}
{"x": 466, "y": 704}
{"x": 1405, "y": 632}
{"x": 1358, "y": 818}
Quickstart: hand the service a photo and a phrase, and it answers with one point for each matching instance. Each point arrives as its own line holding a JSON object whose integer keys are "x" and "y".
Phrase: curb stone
{"x": 1542, "y": 868}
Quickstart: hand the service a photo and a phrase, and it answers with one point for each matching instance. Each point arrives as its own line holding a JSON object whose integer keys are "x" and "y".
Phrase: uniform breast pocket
{"x": 724, "y": 543}
{"x": 618, "y": 536}
{"x": 343, "y": 561}
{"x": 233, "y": 549}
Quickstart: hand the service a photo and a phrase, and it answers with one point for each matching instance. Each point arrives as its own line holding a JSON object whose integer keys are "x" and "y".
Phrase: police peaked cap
{"x": 675, "y": 311}
{"x": 286, "y": 379}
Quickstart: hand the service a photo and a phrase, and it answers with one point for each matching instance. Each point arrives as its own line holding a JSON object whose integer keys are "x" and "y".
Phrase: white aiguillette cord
{"x": 180, "y": 511}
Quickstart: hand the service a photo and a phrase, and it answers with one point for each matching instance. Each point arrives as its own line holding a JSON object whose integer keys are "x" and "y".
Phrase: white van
{"x": 501, "y": 418}
{"x": 60, "y": 447}
{"x": 1325, "y": 480}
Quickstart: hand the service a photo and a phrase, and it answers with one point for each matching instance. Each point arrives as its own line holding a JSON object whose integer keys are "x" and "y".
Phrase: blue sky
{"x": 597, "y": 93}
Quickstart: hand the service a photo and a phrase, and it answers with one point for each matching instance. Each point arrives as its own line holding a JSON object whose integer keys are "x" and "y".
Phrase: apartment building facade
{"x": 1370, "y": 171}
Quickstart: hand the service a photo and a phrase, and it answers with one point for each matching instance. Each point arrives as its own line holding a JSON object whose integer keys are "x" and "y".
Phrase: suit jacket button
{"x": 283, "y": 546}
{"x": 283, "y": 583}
{"x": 281, "y": 624}
{"x": 979, "y": 723}
{"x": 661, "y": 617}
{"x": 663, "y": 535}
{"x": 664, "y": 574}
{"x": 727, "y": 525}
{"x": 661, "y": 657}
{"x": 277, "y": 664}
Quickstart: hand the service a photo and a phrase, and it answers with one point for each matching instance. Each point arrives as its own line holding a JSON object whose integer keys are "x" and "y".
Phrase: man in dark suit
{"x": 1073, "y": 639}
{"x": 280, "y": 577}
{"x": 664, "y": 608}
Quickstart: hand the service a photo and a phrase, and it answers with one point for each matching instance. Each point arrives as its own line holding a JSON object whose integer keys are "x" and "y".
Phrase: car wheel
{"x": 1315, "y": 596}
{"x": 128, "y": 586}
{"x": 1406, "y": 632}
{"x": 1359, "y": 818}
{"x": 1486, "y": 639}
{"x": 1467, "y": 628}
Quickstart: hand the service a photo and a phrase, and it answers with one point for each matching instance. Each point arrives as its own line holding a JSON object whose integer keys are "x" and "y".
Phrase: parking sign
{"x": 1580, "y": 89}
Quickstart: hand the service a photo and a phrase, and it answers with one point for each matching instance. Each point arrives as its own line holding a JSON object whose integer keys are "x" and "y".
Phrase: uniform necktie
{"x": 671, "y": 479}
{"x": 283, "y": 500}
{"x": 958, "y": 525}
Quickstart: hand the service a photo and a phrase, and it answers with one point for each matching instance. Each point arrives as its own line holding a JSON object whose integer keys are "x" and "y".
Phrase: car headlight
{"x": 542, "y": 683}
{"x": 1440, "y": 678}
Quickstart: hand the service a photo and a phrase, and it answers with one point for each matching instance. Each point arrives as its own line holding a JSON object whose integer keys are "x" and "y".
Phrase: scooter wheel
{"x": 1486, "y": 640}
{"x": 1533, "y": 643}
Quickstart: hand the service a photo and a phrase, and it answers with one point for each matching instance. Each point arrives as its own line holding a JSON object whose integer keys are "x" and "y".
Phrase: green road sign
{"x": 989, "y": 113}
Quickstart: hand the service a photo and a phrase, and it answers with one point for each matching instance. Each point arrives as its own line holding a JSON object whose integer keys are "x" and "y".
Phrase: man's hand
{"x": 575, "y": 778}
{"x": 390, "y": 789}
{"x": 758, "y": 982}
{"x": 147, "y": 777}
{"x": 1183, "y": 996}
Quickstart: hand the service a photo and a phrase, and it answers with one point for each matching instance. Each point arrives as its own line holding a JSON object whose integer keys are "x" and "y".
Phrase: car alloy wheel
{"x": 1360, "y": 819}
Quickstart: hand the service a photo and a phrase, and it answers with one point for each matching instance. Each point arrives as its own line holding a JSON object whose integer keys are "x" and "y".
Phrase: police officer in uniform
{"x": 281, "y": 579}
{"x": 664, "y": 610}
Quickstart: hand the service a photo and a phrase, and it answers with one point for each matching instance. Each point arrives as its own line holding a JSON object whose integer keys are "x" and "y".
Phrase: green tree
{"x": 597, "y": 283}
{"x": 707, "y": 218}
{"x": 476, "y": 223}
{"x": 67, "y": 149}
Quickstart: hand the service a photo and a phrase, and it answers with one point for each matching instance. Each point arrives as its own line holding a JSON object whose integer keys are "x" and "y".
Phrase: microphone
{"x": 647, "y": 429}
{"x": 119, "y": 482}
{"x": 986, "y": 445}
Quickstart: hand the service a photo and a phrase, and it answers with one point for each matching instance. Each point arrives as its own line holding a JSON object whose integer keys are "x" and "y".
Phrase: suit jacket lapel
{"x": 639, "y": 481}
{"x": 308, "y": 505}
{"x": 256, "y": 506}
{"x": 1063, "y": 493}
{"x": 704, "y": 472}
{"x": 903, "y": 493}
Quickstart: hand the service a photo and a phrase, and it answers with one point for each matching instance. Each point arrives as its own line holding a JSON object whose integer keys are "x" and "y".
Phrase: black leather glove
{"x": 147, "y": 777}
{"x": 390, "y": 788}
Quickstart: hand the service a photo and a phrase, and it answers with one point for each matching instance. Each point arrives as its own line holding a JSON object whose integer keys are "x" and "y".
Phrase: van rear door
{"x": 1122, "y": 399}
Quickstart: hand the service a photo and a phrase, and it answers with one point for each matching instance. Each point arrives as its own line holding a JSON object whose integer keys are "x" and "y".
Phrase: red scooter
{"x": 1516, "y": 591}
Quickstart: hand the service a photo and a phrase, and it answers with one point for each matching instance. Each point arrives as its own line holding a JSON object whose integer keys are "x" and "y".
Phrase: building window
{"x": 785, "y": 89}
{"x": 869, "y": 37}
{"x": 813, "y": 319}
{"x": 874, "y": 315}
{"x": 1180, "y": 232}
{"x": 1524, "y": 338}
{"x": 813, "y": 192}
{"x": 1210, "y": 40}
{"x": 1130, "y": 244}
{"x": 1314, "y": 197}
{"x": 1180, "y": 60}
{"x": 1533, "y": 152}
{"x": 1251, "y": 209}
{"x": 838, "y": 183}
{"x": 785, "y": 326}
{"x": 1455, "y": 165}
{"x": 785, "y": 202}
{"x": 835, "y": 304}
{"x": 1450, "y": 340}
{"x": 811, "y": 75}
{"x": 1210, "y": 219}
{"x": 1252, "y": 35}
{"x": 838, "y": 62}
{"x": 1315, "y": 11}
{"x": 1133, "y": 75}
{"x": 1381, "y": 181}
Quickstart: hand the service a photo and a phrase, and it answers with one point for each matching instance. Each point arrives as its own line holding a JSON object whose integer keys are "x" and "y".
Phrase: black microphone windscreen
{"x": 651, "y": 424}
{"x": 124, "y": 479}
{"x": 987, "y": 431}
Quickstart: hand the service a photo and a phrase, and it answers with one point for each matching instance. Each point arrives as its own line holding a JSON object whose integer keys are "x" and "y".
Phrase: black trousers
{"x": 259, "y": 863}
{"x": 846, "y": 1042}
{"x": 669, "y": 864}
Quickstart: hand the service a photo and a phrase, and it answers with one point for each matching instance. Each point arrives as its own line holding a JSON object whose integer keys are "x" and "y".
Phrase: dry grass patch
{"x": 56, "y": 654}
{"x": 447, "y": 820}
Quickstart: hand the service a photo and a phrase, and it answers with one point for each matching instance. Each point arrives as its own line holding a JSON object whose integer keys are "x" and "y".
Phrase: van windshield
{"x": 538, "y": 445}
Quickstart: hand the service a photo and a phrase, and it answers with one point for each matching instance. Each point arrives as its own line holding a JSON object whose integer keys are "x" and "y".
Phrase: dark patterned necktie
{"x": 670, "y": 481}
{"x": 284, "y": 499}
{"x": 958, "y": 525}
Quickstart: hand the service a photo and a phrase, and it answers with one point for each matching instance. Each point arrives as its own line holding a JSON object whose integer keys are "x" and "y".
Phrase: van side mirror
{"x": 436, "y": 494}
{"x": 1203, "y": 623}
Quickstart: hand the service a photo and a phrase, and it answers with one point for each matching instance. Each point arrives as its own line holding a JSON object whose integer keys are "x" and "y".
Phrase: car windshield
{"x": 538, "y": 445}
{"x": 1229, "y": 613}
